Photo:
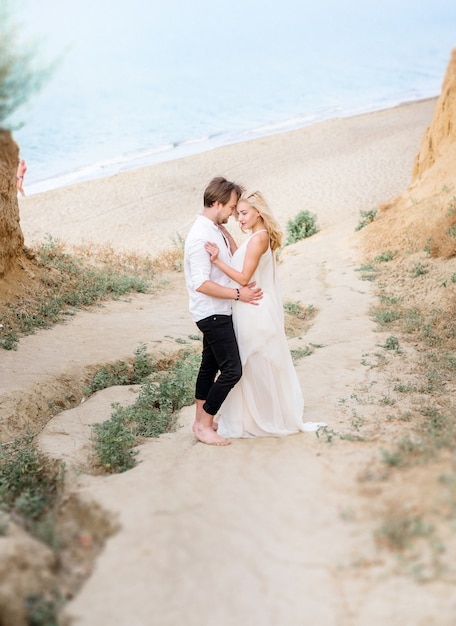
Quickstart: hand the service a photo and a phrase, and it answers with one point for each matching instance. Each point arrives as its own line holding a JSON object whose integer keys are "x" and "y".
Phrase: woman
{"x": 21, "y": 169}
{"x": 268, "y": 400}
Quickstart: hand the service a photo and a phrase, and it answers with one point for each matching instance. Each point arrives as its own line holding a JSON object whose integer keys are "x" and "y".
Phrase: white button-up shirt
{"x": 198, "y": 269}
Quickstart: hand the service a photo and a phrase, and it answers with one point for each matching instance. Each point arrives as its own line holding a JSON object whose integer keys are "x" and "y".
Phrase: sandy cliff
{"x": 424, "y": 216}
{"x": 11, "y": 237}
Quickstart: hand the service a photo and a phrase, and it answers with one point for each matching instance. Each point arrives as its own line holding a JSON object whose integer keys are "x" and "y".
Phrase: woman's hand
{"x": 213, "y": 250}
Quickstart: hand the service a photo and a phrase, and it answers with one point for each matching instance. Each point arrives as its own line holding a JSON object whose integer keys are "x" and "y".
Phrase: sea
{"x": 136, "y": 82}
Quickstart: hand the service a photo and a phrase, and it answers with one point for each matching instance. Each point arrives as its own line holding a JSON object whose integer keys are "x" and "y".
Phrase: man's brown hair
{"x": 219, "y": 190}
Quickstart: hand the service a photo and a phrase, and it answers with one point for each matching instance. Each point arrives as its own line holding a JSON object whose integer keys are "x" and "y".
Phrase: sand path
{"x": 272, "y": 532}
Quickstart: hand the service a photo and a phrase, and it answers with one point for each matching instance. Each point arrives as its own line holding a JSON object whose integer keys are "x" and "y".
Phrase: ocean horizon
{"x": 141, "y": 83}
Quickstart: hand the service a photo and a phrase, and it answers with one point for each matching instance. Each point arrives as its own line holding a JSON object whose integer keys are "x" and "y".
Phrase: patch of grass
{"x": 42, "y": 611}
{"x": 412, "y": 320}
{"x": 299, "y": 353}
{"x": 392, "y": 343}
{"x": 123, "y": 373}
{"x": 384, "y": 257}
{"x": 421, "y": 429}
{"x": 385, "y": 315}
{"x": 8, "y": 339}
{"x": 405, "y": 387}
{"x": 368, "y": 271}
{"x": 329, "y": 434}
{"x": 298, "y": 310}
{"x": 388, "y": 299}
{"x": 4, "y": 522}
{"x": 303, "y": 225}
{"x": 387, "y": 401}
{"x": 406, "y": 452}
{"x": 29, "y": 485}
{"x": 113, "y": 443}
{"x": 399, "y": 531}
{"x": 65, "y": 283}
{"x": 366, "y": 217}
{"x": 153, "y": 413}
{"x": 438, "y": 428}
{"x": 297, "y": 317}
{"x": 419, "y": 269}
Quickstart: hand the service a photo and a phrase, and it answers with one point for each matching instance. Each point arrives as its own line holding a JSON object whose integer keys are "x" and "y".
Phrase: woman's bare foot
{"x": 206, "y": 434}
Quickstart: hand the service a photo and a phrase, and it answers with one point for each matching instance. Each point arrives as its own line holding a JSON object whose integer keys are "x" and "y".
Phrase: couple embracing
{"x": 246, "y": 373}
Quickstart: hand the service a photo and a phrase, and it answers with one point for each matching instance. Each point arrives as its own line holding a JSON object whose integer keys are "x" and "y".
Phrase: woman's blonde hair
{"x": 257, "y": 201}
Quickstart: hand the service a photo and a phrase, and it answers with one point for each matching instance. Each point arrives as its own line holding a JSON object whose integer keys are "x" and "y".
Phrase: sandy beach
{"x": 272, "y": 532}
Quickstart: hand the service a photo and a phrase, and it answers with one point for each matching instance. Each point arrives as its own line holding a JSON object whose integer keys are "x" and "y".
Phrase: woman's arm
{"x": 256, "y": 247}
{"x": 229, "y": 237}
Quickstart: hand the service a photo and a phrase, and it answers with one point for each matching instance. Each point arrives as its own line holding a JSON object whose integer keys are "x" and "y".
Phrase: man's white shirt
{"x": 198, "y": 269}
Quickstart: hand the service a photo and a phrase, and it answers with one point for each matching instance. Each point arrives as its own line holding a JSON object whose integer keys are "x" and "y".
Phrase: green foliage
{"x": 399, "y": 531}
{"x": 153, "y": 413}
{"x": 368, "y": 271}
{"x": 299, "y": 353}
{"x": 298, "y": 310}
{"x": 121, "y": 373}
{"x": 366, "y": 218}
{"x": 66, "y": 282}
{"x": 300, "y": 227}
{"x": 28, "y": 484}
{"x": 109, "y": 376}
{"x": 143, "y": 363}
{"x": 387, "y": 299}
{"x": 4, "y": 521}
{"x": 297, "y": 317}
{"x": 392, "y": 343}
{"x": 21, "y": 72}
{"x": 419, "y": 269}
{"x": 42, "y": 611}
{"x": 385, "y": 256}
{"x": 8, "y": 340}
{"x": 113, "y": 444}
{"x": 384, "y": 315}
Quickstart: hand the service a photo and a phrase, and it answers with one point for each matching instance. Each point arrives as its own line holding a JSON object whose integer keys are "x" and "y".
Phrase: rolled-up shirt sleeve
{"x": 200, "y": 268}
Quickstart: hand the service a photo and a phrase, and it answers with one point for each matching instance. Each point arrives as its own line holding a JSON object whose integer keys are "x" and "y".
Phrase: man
{"x": 210, "y": 306}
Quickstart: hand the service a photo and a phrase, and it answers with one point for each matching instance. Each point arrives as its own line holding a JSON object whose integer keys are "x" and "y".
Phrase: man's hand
{"x": 251, "y": 294}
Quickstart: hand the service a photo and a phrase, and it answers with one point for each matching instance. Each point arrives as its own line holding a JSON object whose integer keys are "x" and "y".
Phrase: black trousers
{"x": 220, "y": 354}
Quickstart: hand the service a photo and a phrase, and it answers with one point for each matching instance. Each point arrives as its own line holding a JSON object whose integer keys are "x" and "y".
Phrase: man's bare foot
{"x": 201, "y": 418}
{"x": 214, "y": 425}
{"x": 206, "y": 434}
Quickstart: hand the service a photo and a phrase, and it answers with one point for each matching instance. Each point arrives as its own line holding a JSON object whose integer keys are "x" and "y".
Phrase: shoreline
{"x": 145, "y": 209}
{"x": 194, "y": 146}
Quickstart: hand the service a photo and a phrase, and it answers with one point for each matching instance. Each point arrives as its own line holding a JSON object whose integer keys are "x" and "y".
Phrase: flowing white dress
{"x": 268, "y": 400}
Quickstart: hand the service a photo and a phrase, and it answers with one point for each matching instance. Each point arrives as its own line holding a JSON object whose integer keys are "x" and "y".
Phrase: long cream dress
{"x": 268, "y": 400}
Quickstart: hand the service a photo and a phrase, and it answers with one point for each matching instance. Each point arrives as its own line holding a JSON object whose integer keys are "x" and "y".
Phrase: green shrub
{"x": 113, "y": 444}
{"x": 385, "y": 256}
{"x": 121, "y": 373}
{"x": 28, "y": 483}
{"x": 366, "y": 218}
{"x": 153, "y": 413}
{"x": 300, "y": 227}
